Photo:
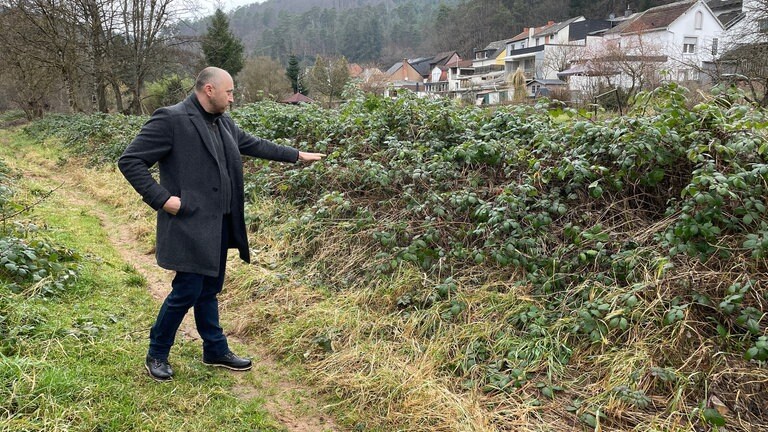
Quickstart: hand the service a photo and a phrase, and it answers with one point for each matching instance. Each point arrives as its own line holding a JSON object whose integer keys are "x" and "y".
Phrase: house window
{"x": 687, "y": 75}
{"x": 714, "y": 46}
{"x": 538, "y": 41}
{"x": 762, "y": 25}
{"x": 698, "y": 20}
{"x": 689, "y": 45}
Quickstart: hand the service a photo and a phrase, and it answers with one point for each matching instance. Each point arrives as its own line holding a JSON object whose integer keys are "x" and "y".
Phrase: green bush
{"x": 594, "y": 219}
{"x": 98, "y": 138}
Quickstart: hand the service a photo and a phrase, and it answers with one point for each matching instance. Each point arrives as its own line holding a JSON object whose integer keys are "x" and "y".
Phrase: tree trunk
{"x": 118, "y": 96}
{"x": 69, "y": 88}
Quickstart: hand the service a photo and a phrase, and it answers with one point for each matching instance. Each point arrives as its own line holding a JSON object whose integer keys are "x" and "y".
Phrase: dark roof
{"x": 556, "y": 27}
{"x": 420, "y": 61}
{"x": 580, "y": 30}
{"x": 495, "y": 45}
{"x": 756, "y": 52}
{"x": 297, "y": 98}
{"x": 442, "y": 57}
{"x": 659, "y": 17}
{"x": 717, "y": 5}
{"x": 747, "y": 60}
{"x": 392, "y": 69}
{"x": 728, "y": 19}
{"x": 422, "y": 65}
{"x": 495, "y": 48}
{"x": 544, "y": 30}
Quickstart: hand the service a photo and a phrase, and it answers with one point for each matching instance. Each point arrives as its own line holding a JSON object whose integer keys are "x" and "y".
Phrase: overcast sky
{"x": 228, "y": 4}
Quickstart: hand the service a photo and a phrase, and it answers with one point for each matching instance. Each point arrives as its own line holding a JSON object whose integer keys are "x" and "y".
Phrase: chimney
{"x": 627, "y": 12}
{"x": 405, "y": 71}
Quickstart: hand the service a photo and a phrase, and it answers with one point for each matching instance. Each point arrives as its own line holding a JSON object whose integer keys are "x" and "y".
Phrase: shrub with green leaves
{"x": 97, "y": 138}
{"x": 29, "y": 262}
{"x": 35, "y": 264}
{"x": 545, "y": 238}
{"x": 596, "y": 216}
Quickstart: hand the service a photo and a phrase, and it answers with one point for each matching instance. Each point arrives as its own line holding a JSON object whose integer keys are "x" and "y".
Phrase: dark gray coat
{"x": 177, "y": 139}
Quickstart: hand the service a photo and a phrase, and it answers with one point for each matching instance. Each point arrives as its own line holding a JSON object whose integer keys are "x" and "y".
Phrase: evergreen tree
{"x": 292, "y": 72}
{"x": 220, "y": 47}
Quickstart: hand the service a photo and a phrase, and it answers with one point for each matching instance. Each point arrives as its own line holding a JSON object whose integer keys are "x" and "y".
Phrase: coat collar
{"x": 197, "y": 119}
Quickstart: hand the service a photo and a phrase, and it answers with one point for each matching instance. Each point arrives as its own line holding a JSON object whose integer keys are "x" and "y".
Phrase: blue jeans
{"x": 192, "y": 290}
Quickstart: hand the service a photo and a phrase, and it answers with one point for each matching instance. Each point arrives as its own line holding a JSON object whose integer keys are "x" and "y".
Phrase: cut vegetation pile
{"x": 450, "y": 268}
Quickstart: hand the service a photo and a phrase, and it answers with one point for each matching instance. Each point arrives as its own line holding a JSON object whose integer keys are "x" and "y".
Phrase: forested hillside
{"x": 384, "y": 31}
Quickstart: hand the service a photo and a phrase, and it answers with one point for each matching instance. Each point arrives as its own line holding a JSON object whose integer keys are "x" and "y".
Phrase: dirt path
{"x": 268, "y": 379}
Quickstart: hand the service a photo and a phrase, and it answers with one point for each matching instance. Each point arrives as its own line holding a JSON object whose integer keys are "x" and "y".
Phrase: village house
{"x": 581, "y": 56}
{"x": 675, "y": 42}
{"x": 744, "y": 58}
{"x": 413, "y": 74}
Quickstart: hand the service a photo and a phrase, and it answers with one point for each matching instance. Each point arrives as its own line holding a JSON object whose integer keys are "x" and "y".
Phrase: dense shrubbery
{"x": 29, "y": 263}
{"x": 571, "y": 239}
{"x": 652, "y": 220}
{"x": 99, "y": 138}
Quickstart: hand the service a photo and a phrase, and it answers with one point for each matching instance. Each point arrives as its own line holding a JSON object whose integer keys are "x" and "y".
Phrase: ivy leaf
{"x": 713, "y": 417}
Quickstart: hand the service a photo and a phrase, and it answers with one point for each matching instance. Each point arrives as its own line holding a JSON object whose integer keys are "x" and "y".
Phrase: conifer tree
{"x": 220, "y": 47}
{"x": 292, "y": 72}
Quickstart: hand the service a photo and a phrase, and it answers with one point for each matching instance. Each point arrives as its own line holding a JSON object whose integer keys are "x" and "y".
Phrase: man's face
{"x": 220, "y": 94}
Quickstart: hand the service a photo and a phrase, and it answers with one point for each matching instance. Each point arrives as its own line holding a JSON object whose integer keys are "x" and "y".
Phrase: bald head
{"x": 210, "y": 75}
{"x": 214, "y": 89}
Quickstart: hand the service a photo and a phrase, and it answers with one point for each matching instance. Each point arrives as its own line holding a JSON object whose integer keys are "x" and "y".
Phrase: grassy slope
{"x": 79, "y": 363}
{"x": 398, "y": 368}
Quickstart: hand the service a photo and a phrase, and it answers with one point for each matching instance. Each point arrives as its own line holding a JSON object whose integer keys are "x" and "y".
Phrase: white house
{"x": 745, "y": 50}
{"x": 544, "y": 51}
{"x": 748, "y": 27}
{"x": 674, "y": 41}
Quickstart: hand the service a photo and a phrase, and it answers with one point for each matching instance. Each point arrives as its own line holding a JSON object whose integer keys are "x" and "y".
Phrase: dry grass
{"x": 398, "y": 370}
{"x": 391, "y": 369}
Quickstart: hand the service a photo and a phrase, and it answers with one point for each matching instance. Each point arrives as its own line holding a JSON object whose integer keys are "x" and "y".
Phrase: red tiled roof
{"x": 524, "y": 33}
{"x": 354, "y": 70}
{"x": 297, "y": 98}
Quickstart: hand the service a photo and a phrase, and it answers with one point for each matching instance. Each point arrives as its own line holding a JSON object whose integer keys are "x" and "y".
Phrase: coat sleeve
{"x": 250, "y": 145}
{"x": 154, "y": 141}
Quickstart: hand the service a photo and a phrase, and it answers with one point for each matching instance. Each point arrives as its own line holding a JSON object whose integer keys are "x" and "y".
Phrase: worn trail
{"x": 288, "y": 401}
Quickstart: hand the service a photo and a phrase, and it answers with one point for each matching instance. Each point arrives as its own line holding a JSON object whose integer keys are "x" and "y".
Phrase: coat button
{"x": 215, "y": 189}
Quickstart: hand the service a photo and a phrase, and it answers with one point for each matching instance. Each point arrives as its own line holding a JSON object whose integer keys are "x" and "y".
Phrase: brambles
{"x": 595, "y": 217}
{"x": 616, "y": 262}
{"x": 28, "y": 262}
{"x": 30, "y": 265}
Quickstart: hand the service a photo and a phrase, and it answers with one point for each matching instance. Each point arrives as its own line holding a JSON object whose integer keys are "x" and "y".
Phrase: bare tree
{"x": 328, "y": 77}
{"x": 634, "y": 64}
{"x": 558, "y": 58}
{"x": 46, "y": 33}
{"x": 263, "y": 78}
{"x": 146, "y": 31}
{"x": 92, "y": 45}
{"x": 744, "y": 59}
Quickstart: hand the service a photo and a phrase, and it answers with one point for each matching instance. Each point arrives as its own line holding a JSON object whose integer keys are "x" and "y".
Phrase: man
{"x": 200, "y": 204}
